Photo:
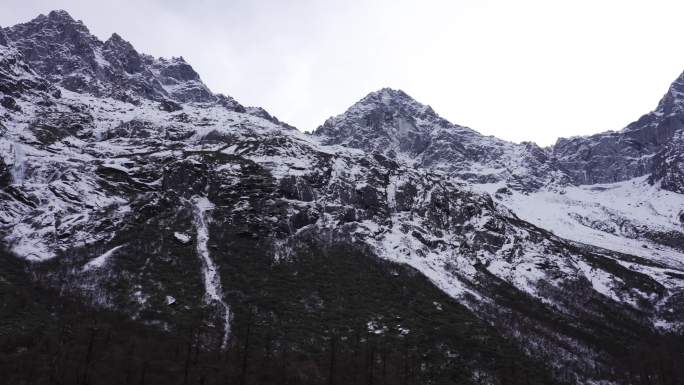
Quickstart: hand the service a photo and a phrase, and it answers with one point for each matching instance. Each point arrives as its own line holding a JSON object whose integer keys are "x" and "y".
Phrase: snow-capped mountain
{"x": 566, "y": 188}
{"x": 132, "y": 187}
{"x": 639, "y": 149}
{"x": 391, "y": 123}
{"x": 63, "y": 51}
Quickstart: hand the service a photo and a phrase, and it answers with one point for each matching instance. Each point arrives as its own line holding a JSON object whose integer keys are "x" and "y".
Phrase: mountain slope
{"x": 369, "y": 251}
{"x": 392, "y": 123}
{"x": 546, "y": 187}
{"x": 645, "y": 147}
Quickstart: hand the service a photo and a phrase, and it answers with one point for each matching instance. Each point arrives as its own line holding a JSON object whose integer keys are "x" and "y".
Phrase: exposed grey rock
{"x": 668, "y": 164}
{"x": 392, "y": 123}
{"x": 5, "y": 174}
{"x": 3, "y": 38}
{"x": 645, "y": 147}
{"x": 170, "y": 106}
{"x": 9, "y": 103}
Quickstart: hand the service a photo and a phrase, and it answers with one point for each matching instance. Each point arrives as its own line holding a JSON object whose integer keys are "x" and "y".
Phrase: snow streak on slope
{"x": 19, "y": 167}
{"x": 611, "y": 216}
{"x": 101, "y": 260}
{"x": 212, "y": 281}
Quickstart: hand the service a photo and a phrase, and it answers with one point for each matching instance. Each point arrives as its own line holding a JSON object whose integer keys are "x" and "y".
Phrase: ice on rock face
{"x": 212, "y": 279}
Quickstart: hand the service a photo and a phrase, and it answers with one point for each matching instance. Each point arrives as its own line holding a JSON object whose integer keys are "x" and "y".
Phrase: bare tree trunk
{"x": 89, "y": 354}
{"x": 197, "y": 344}
{"x": 356, "y": 357}
{"x": 384, "y": 367}
{"x": 406, "y": 365}
{"x": 144, "y": 372}
{"x": 371, "y": 362}
{"x": 331, "y": 375}
{"x": 245, "y": 354}
{"x": 187, "y": 364}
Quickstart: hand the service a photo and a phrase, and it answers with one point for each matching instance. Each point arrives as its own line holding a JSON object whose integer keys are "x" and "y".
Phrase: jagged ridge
{"x": 389, "y": 182}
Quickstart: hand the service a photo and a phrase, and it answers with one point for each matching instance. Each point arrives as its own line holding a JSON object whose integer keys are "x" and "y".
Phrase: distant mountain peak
{"x": 64, "y": 53}
{"x": 381, "y": 111}
{"x": 386, "y": 114}
{"x": 673, "y": 100}
{"x": 389, "y": 97}
{"x": 60, "y": 19}
{"x": 56, "y": 21}
{"x": 387, "y": 94}
{"x": 116, "y": 39}
{"x": 60, "y": 14}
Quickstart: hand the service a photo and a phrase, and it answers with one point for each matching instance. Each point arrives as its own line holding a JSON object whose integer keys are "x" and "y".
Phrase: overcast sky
{"x": 519, "y": 70}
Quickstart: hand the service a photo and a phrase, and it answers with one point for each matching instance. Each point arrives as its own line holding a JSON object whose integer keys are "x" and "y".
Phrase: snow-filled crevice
{"x": 18, "y": 170}
{"x": 100, "y": 261}
{"x": 212, "y": 280}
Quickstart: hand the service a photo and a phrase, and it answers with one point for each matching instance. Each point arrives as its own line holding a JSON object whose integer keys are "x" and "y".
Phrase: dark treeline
{"x": 46, "y": 338}
{"x": 87, "y": 348}
{"x": 658, "y": 360}
{"x": 104, "y": 350}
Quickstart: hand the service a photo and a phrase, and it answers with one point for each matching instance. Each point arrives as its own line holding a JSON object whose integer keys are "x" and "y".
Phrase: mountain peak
{"x": 116, "y": 42}
{"x": 60, "y": 15}
{"x": 389, "y": 93}
{"x": 65, "y": 52}
{"x": 62, "y": 51}
{"x": 388, "y": 121}
{"x": 116, "y": 39}
{"x": 673, "y": 101}
{"x": 57, "y": 24}
{"x": 388, "y": 96}
{"x": 56, "y": 21}
{"x": 119, "y": 51}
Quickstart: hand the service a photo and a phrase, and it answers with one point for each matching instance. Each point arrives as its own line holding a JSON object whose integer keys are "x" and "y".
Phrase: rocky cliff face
{"x": 63, "y": 51}
{"x": 132, "y": 187}
{"x": 634, "y": 168}
{"x": 392, "y": 123}
{"x": 643, "y": 148}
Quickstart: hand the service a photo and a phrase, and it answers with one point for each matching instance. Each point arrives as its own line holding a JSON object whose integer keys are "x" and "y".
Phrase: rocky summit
{"x": 155, "y": 232}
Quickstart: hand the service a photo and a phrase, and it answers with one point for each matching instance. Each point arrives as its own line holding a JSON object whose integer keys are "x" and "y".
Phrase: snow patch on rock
{"x": 100, "y": 261}
{"x": 212, "y": 280}
{"x": 182, "y": 237}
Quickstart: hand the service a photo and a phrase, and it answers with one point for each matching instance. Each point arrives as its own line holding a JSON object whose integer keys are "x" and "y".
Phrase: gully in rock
{"x": 212, "y": 280}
